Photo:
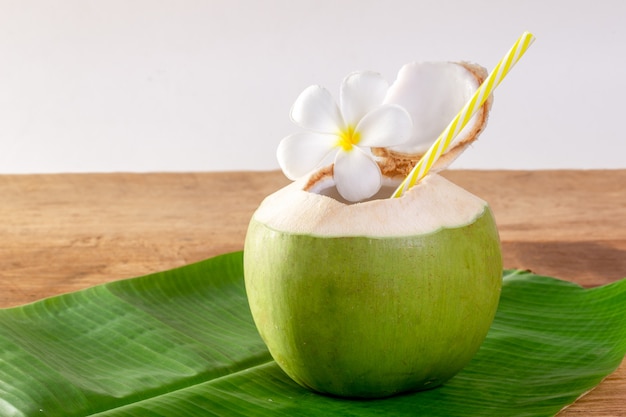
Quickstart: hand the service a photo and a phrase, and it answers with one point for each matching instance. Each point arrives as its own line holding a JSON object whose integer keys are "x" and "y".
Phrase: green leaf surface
{"x": 182, "y": 343}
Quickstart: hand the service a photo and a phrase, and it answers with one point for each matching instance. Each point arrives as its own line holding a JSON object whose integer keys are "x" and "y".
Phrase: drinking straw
{"x": 494, "y": 79}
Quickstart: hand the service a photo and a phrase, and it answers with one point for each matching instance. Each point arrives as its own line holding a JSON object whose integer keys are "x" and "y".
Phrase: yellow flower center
{"x": 348, "y": 137}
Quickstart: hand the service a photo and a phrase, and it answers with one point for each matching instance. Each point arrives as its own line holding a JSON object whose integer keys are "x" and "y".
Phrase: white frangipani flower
{"x": 346, "y": 132}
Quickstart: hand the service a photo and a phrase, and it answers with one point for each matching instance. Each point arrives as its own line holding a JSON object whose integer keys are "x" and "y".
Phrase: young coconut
{"x": 386, "y": 295}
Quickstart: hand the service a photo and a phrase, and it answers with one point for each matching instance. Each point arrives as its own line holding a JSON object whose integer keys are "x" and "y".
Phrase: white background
{"x": 157, "y": 85}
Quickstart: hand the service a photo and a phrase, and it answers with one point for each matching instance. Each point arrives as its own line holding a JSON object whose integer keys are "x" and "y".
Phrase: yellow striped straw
{"x": 494, "y": 79}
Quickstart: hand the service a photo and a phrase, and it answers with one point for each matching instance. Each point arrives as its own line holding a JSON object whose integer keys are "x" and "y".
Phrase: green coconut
{"x": 376, "y": 298}
{"x": 383, "y": 296}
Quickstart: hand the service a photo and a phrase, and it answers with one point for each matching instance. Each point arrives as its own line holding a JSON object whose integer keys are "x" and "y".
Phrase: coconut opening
{"x": 385, "y": 192}
{"x": 322, "y": 183}
{"x": 432, "y": 204}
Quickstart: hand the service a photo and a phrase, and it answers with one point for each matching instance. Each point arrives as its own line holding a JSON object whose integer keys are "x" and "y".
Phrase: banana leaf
{"x": 183, "y": 343}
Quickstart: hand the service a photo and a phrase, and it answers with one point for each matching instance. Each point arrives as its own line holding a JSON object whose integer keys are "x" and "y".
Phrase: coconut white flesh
{"x": 433, "y": 93}
{"x": 433, "y": 204}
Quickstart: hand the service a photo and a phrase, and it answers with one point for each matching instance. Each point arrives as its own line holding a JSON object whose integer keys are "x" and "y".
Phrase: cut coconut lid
{"x": 377, "y": 130}
{"x": 433, "y": 93}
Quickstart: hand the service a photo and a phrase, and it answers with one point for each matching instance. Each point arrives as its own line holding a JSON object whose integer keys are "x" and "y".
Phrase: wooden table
{"x": 62, "y": 233}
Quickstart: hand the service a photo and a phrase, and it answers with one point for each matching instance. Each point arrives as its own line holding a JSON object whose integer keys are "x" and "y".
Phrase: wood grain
{"x": 66, "y": 232}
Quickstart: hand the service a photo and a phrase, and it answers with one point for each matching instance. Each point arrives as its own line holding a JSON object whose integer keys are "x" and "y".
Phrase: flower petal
{"x": 301, "y": 152}
{"x": 360, "y": 93}
{"x": 388, "y": 125}
{"x": 357, "y": 176}
{"x": 315, "y": 109}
